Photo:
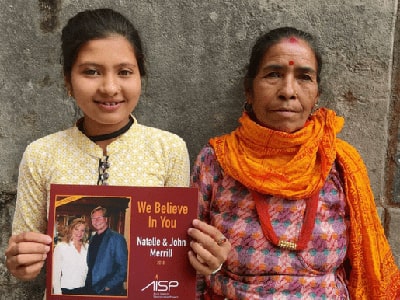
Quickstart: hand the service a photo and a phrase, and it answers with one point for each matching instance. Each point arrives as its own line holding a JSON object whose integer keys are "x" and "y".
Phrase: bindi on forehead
{"x": 291, "y": 62}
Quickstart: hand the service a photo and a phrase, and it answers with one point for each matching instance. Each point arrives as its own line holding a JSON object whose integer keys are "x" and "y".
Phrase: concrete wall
{"x": 196, "y": 54}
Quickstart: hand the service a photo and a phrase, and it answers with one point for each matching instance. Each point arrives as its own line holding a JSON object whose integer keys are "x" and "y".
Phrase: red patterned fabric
{"x": 295, "y": 165}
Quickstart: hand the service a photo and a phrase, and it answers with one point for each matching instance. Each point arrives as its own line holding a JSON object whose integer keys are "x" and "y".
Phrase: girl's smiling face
{"x": 106, "y": 83}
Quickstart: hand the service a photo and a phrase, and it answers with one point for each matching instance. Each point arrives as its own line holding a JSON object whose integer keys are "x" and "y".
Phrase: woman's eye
{"x": 273, "y": 75}
{"x": 305, "y": 77}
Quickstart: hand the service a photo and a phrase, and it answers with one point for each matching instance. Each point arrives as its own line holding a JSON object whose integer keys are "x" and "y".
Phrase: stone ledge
{"x": 392, "y": 225}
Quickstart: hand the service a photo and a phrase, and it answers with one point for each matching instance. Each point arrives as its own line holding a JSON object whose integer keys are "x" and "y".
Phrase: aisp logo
{"x": 161, "y": 285}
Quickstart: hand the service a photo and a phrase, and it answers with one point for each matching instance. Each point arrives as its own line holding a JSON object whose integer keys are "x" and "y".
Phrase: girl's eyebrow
{"x": 93, "y": 64}
{"x": 88, "y": 62}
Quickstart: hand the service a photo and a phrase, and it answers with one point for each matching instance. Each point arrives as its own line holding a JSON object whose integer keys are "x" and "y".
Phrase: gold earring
{"x": 314, "y": 108}
{"x": 69, "y": 93}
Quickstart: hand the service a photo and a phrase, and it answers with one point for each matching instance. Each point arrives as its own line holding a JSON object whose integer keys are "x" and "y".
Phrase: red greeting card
{"x": 153, "y": 222}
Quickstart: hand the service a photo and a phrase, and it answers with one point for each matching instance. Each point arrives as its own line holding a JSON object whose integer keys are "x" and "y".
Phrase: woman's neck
{"x": 77, "y": 245}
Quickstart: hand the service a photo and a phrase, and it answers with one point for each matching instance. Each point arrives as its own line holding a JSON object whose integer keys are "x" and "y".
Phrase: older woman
{"x": 293, "y": 200}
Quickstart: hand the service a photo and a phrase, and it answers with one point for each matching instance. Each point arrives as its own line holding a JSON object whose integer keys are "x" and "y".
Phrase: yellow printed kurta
{"x": 143, "y": 156}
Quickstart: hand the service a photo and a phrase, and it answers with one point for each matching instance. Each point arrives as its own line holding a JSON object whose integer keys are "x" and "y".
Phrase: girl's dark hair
{"x": 271, "y": 38}
{"x": 97, "y": 24}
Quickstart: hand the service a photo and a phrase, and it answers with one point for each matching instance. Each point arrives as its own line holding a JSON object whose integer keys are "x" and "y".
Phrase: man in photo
{"x": 107, "y": 258}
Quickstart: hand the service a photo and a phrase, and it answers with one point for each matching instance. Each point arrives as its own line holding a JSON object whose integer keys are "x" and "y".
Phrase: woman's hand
{"x": 26, "y": 253}
{"x": 210, "y": 248}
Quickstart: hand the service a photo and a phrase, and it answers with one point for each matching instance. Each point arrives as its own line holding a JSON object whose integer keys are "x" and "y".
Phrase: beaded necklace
{"x": 306, "y": 230}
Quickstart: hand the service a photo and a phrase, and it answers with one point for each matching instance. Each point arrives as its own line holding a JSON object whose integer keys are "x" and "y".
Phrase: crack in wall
{"x": 49, "y": 12}
{"x": 393, "y": 152}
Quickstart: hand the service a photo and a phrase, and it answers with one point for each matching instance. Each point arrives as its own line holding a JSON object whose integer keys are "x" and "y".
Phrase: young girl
{"x": 103, "y": 65}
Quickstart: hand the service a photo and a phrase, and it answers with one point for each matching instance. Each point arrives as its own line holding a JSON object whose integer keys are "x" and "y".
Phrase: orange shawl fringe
{"x": 294, "y": 166}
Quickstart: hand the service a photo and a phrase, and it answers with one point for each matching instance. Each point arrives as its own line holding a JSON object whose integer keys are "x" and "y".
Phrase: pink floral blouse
{"x": 255, "y": 268}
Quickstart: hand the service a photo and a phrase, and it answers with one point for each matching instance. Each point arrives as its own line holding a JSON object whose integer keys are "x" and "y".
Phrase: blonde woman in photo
{"x": 69, "y": 260}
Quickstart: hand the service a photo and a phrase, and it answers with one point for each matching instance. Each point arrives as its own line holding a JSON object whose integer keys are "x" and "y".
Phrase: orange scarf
{"x": 294, "y": 166}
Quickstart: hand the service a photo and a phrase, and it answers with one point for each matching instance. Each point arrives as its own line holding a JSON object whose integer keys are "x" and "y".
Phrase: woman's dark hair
{"x": 271, "y": 38}
{"x": 97, "y": 24}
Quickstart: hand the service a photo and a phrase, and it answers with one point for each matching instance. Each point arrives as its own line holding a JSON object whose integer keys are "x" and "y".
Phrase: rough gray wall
{"x": 196, "y": 54}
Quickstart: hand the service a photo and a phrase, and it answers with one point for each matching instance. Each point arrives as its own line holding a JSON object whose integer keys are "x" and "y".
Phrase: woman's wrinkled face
{"x": 78, "y": 232}
{"x": 285, "y": 88}
{"x": 106, "y": 83}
